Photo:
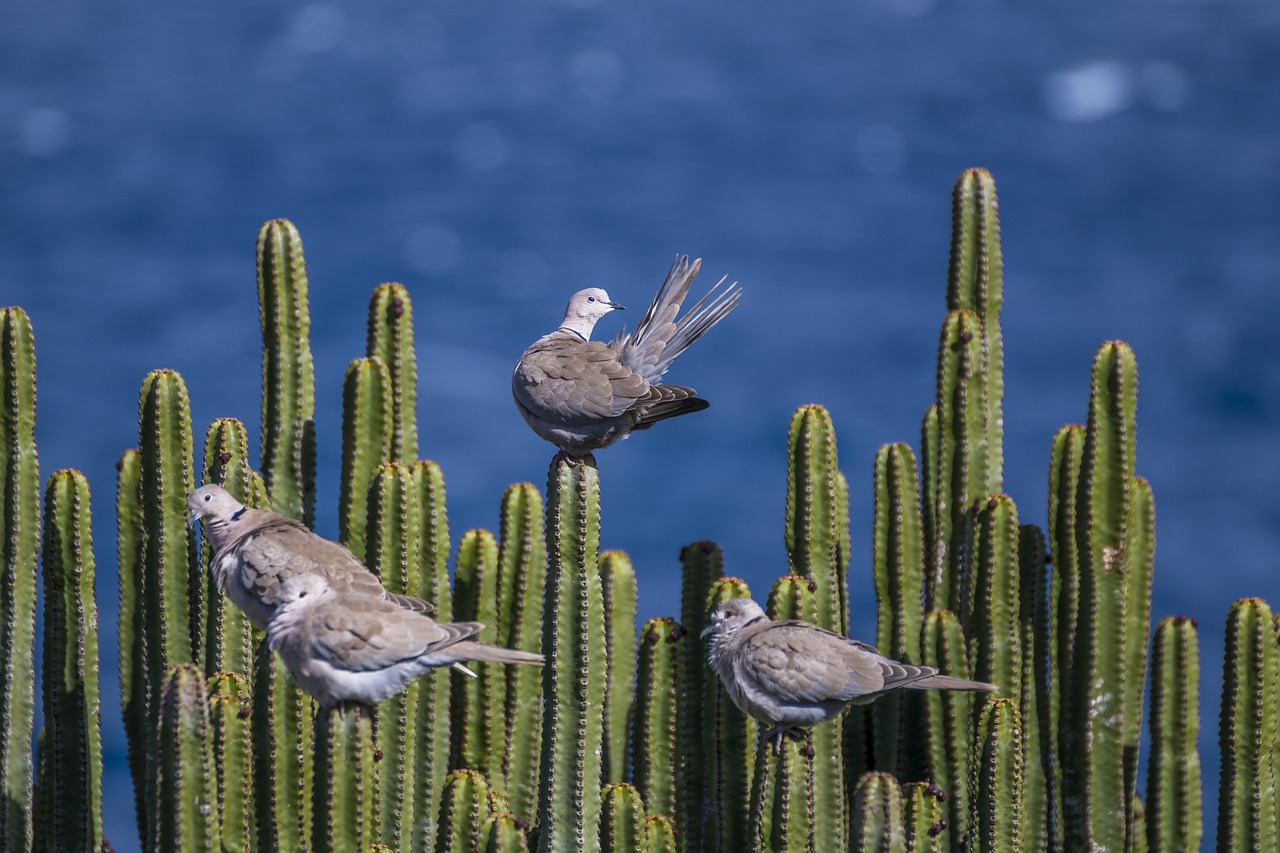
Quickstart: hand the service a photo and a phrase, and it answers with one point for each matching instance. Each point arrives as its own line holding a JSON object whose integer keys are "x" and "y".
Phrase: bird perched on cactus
{"x": 789, "y": 673}
{"x": 255, "y": 551}
{"x": 582, "y": 395}
{"x": 354, "y": 647}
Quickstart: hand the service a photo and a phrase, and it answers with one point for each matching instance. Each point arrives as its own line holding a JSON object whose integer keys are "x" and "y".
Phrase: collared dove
{"x": 789, "y": 673}
{"x": 342, "y": 647}
{"x": 255, "y": 551}
{"x": 582, "y": 395}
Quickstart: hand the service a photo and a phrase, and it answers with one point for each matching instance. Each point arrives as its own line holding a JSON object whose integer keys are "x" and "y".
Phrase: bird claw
{"x": 777, "y": 733}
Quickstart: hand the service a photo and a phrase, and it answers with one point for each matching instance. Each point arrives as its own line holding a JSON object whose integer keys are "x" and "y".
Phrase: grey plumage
{"x": 351, "y": 647}
{"x": 789, "y": 673}
{"x": 582, "y": 395}
{"x": 255, "y": 551}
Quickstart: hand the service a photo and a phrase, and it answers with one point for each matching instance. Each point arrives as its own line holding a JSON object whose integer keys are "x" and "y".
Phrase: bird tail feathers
{"x": 669, "y": 409}
{"x": 471, "y": 650}
{"x": 946, "y": 682}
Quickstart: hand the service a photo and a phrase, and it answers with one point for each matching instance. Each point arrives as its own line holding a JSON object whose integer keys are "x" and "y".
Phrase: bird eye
{"x": 591, "y": 299}
{"x": 208, "y": 497}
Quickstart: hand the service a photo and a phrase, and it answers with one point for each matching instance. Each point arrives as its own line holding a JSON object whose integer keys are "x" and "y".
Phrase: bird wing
{"x": 363, "y": 634}
{"x": 569, "y": 382}
{"x": 800, "y": 664}
{"x": 282, "y": 548}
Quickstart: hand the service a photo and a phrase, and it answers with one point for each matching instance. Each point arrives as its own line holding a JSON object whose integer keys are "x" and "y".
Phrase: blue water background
{"x": 495, "y": 157}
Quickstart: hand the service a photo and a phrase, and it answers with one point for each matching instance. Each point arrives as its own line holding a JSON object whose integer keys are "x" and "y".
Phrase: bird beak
{"x": 617, "y": 307}
{"x": 705, "y": 631}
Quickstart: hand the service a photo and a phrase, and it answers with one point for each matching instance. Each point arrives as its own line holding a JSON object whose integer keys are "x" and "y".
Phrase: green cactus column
{"x": 574, "y": 676}
{"x": 228, "y": 634}
{"x": 503, "y": 833}
{"x": 477, "y": 713}
{"x": 728, "y": 743}
{"x": 346, "y": 782}
{"x": 431, "y": 730}
{"x": 702, "y": 565}
{"x": 991, "y": 601}
{"x": 288, "y": 373}
{"x": 783, "y": 812}
{"x": 20, "y": 511}
{"x": 923, "y": 820}
{"x": 132, "y": 626}
{"x": 1095, "y": 769}
{"x": 284, "y": 749}
{"x": 661, "y": 835}
{"x": 230, "y": 698}
{"x": 466, "y": 802}
{"x": 1247, "y": 730}
{"x": 394, "y": 540}
{"x": 996, "y": 805}
{"x": 949, "y": 720}
{"x": 1039, "y": 741}
{"x": 654, "y": 755}
{"x": 391, "y": 341}
{"x": 1174, "y": 810}
{"x": 366, "y": 445}
{"x": 877, "y": 815}
{"x": 185, "y": 804}
{"x": 69, "y": 793}
{"x": 522, "y": 576}
{"x": 618, "y": 588}
{"x": 622, "y": 826}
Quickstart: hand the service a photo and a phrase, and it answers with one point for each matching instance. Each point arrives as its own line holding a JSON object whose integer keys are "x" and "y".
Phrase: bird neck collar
{"x": 578, "y": 332}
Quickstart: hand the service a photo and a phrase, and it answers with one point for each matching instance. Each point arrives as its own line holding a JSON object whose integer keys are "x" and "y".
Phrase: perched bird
{"x": 582, "y": 395}
{"x": 352, "y": 647}
{"x": 255, "y": 551}
{"x": 790, "y": 673}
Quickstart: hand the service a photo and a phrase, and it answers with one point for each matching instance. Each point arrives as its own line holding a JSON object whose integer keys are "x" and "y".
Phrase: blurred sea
{"x": 496, "y": 157}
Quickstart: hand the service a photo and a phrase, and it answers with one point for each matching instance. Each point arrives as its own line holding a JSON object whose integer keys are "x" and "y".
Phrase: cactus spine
{"x": 69, "y": 794}
{"x": 782, "y": 799}
{"x": 660, "y": 834}
{"x": 1038, "y": 739}
{"x": 346, "y": 785}
{"x": 465, "y": 804}
{"x": 283, "y": 735}
{"x": 877, "y": 815}
{"x": 948, "y": 717}
{"x": 366, "y": 444}
{"x": 622, "y": 827}
{"x": 477, "y": 702}
{"x": 229, "y": 703}
{"x": 522, "y": 576}
{"x": 1247, "y": 731}
{"x": 922, "y": 818}
{"x": 186, "y": 804}
{"x": 574, "y": 677}
{"x": 995, "y": 809}
{"x": 502, "y": 833}
{"x": 394, "y": 542}
{"x": 991, "y": 600}
{"x": 653, "y": 722}
{"x": 20, "y": 508}
{"x": 618, "y": 587}
{"x": 288, "y": 373}
{"x": 391, "y": 341}
{"x": 1174, "y": 812}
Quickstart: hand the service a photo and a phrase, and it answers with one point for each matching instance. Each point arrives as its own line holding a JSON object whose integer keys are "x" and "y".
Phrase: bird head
{"x": 301, "y": 591}
{"x": 731, "y": 617}
{"x": 212, "y": 501}
{"x": 585, "y": 308}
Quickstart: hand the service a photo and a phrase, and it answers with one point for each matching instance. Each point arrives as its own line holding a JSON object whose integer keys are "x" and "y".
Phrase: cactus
{"x": 782, "y": 799}
{"x": 366, "y": 444}
{"x": 477, "y": 722}
{"x": 522, "y": 575}
{"x": 283, "y": 734}
{"x": 727, "y": 744}
{"x": 288, "y": 374}
{"x": 20, "y": 510}
{"x": 660, "y": 834}
{"x": 1174, "y": 818}
{"x": 702, "y": 564}
{"x": 229, "y": 703}
{"x": 574, "y": 677}
{"x": 391, "y": 341}
{"x": 1139, "y": 569}
{"x": 431, "y": 729}
{"x": 991, "y": 599}
{"x": 622, "y": 826}
{"x": 948, "y": 718}
{"x": 69, "y": 793}
{"x": 654, "y": 754}
{"x": 393, "y": 545}
{"x": 814, "y": 530}
{"x": 877, "y": 815}
{"x": 618, "y": 589}
{"x": 503, "y": 833}
{"x": 131, "y": 626}
{"x": 996, "y": 805}
{"x": 346, "y": 780}
{"x": 185, "y": 803}
{"x": 465, "y": 805}
{"x": 1094, "y": 765}
{"x": 922, "y": 818}
{"x": 228, "y": 634}
{"x": 1038, "y": 739}
{"x": 1247, "y": 730}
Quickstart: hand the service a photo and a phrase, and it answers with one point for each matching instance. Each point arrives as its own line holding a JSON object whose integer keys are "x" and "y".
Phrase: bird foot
{"x": 777, "y": 733}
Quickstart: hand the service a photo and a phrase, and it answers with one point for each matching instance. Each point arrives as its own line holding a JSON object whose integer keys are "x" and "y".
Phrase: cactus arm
{"x": 391, "y": 341}
{"x": 502, "y": 833}
{"x": 229, "y": 701}
{"x": 948, "y": 716}
{"x": 1174, "y": 808}
{"x": 813, "y": 531}
{"x": 702, "y": 565}
{"x": 1139, "y": 569}
{"x": 991, "y": 617}
{"x": 131, "y": 626}
{"x": 288, "y": 373}
{"x": 283, "y": 748}
{"x": 660, "y": 834}
{"x": 476, "y": 701}
{"x": 70, "y": 791}
{"x": 783, "y": 812}
{"x": 996, "y": 805}
{"x": 727, "y": 743}
{"x": 186, "y": 788}
{"x": 346, "y": 781}
{"x": 923, "y": 818}
{"x": 653, "y": 723}
{"x": 464, "y": 807}
{"x": 574, "y": 676}
{"x": 622, "y": 827}
{"x": 1038, "y": 738}
{"x": 366, "y": 444}
{"x": 618, "y": 587}
{"x": 877, "y": 815}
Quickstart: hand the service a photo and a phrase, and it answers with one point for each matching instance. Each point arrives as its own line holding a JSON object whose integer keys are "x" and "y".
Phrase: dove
{"x": 353, "y": 647}
{"x": 789, "y": 673}
{"x": 582, "y": 395}
{"x": 255, "y": 551}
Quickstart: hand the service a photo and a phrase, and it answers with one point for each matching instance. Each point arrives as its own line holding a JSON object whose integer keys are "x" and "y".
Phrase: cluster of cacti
{"x": 625, "y": 740}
